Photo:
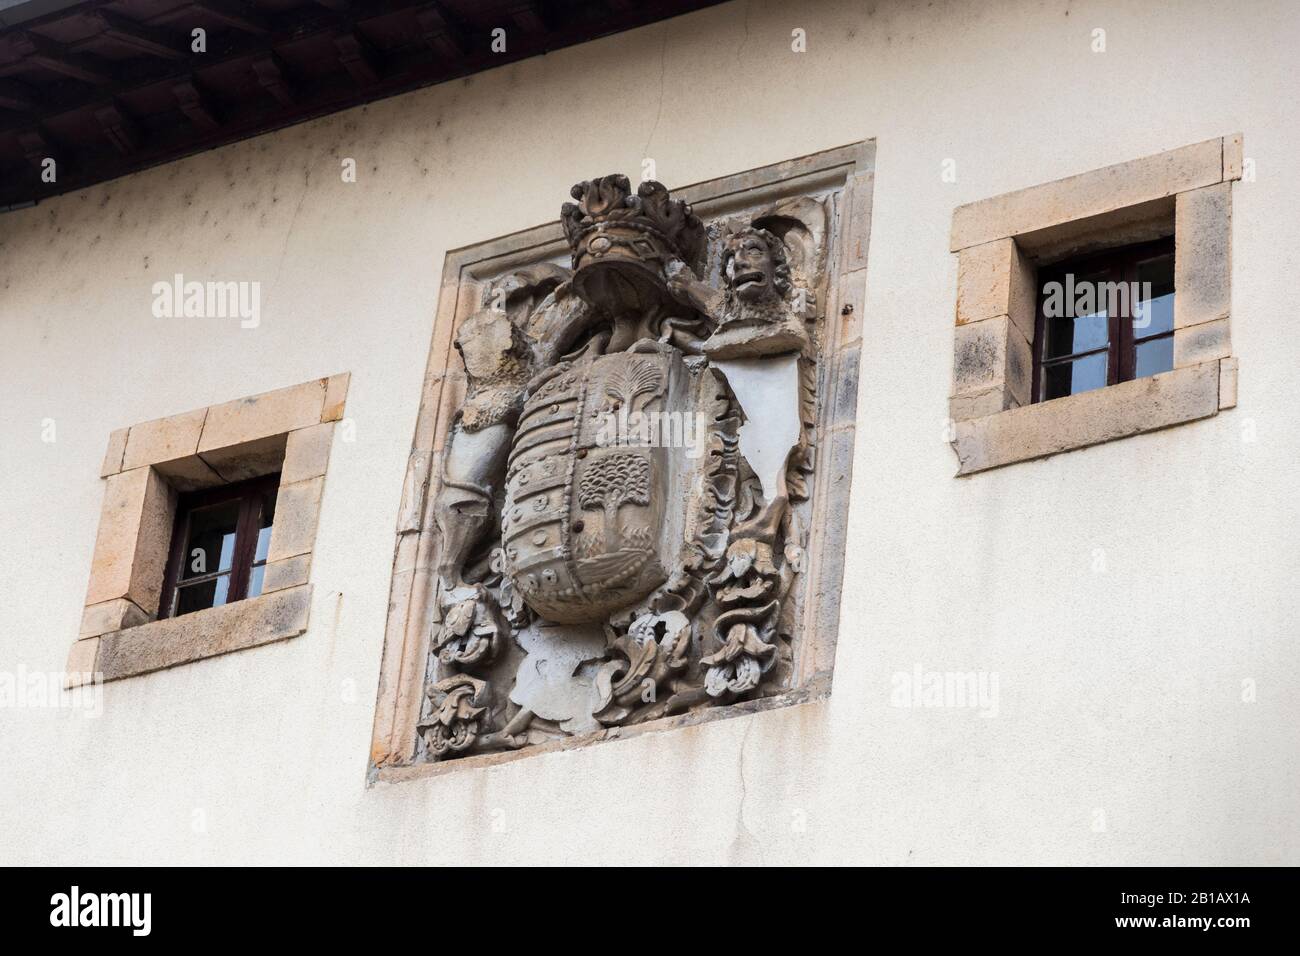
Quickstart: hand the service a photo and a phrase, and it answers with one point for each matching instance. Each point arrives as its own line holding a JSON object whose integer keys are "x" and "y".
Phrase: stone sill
{"x": 173, "y": 641}
{"x": 1091, "y": 418}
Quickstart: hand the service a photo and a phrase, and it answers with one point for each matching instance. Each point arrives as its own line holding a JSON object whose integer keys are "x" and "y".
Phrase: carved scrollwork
{"x": 471, "y": 628}
{"x": 458, "y": 703}
{"x": 654, "y": 649}
{"x": 746, "y": 653}
{"x": 749, "y": 587}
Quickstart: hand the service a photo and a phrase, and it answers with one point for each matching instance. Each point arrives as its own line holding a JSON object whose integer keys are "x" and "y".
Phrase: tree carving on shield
{"x": 611, "y": 483}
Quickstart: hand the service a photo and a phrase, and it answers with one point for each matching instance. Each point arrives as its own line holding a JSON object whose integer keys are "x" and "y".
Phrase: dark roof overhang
{"x": 107, "y": 87}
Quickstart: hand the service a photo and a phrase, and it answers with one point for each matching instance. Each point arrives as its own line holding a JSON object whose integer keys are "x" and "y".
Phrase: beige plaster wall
{"x": 1120, "y": 594}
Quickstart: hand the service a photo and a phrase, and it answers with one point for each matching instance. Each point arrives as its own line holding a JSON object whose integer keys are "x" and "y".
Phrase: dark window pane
{"x": 1077, "y": 375}
{"x": 1154, "y": 311}
{"x": 267, "y": 512}
{"x": 202, "y": 594}
{"x": 211, "y": 545}
{"x": 1154, "y": 356}
{"x": 255, "y": 580}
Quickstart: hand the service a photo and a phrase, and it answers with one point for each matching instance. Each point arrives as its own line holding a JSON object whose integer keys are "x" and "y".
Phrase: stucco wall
{"x": 1120, "y": 689}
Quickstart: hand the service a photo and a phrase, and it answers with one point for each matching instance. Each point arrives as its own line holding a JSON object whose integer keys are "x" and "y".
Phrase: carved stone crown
{"x": 621, "y": 242}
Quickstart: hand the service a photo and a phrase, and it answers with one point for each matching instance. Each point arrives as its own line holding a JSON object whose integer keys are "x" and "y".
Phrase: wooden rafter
{"x": 57, "y": 57}
{"x": 140, "y": 38}
{"x": 239, "y": 16}
{"x": 194, "y": 103}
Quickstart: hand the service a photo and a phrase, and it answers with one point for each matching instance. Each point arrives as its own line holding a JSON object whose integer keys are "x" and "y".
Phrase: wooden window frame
{"x": 1119, "y": 264}
{"x": 249, "y": 494}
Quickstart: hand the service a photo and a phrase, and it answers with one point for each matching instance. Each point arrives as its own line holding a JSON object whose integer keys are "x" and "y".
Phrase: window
{"x": 220, "y": 543}
{"x": 1105, "y": 319}
{"x": 1029, "y": 385}
{"x": 169, "y": 493}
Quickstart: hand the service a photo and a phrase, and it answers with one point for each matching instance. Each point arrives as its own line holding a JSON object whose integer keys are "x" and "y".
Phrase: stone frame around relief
{"x": 847, "y": 173}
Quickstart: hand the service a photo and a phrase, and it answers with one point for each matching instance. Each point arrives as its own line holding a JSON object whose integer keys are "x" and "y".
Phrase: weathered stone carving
{"x": 617, "y": 537}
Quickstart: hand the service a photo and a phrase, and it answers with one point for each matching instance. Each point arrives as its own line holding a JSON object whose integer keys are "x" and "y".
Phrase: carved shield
{"x": 590, "y": 518}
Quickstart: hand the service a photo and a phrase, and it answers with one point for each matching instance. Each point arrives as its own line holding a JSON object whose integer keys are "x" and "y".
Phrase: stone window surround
{"x": 147, "y": 465}
{"x": 1001, "y": 240}
{"x": 406, "y": 636}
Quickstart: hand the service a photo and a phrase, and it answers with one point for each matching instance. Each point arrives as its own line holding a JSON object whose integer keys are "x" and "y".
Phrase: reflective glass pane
{"x": 255, "y": 580}
{"x": 1078, "y": 375}
{"x": 202, "y": 594}
{"x": 211, "y": 544}
{"x": 1077, "y": 316}
{"x": 1153, "y": 312}
{"x": 1154, "y": 356}
{"x": 1069, "y": 336}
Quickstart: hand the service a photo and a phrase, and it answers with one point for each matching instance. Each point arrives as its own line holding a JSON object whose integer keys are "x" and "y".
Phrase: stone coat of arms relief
{"x": 621, "y": 512}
